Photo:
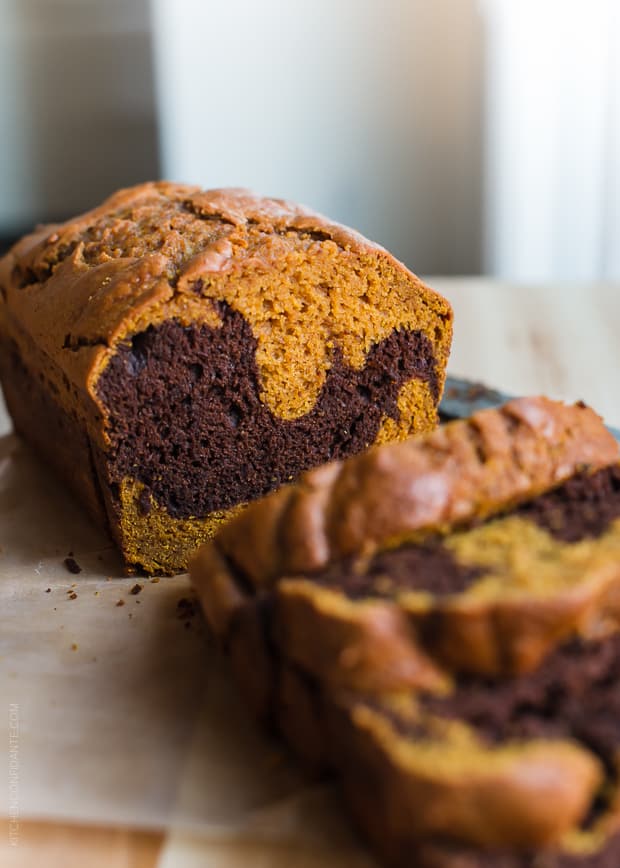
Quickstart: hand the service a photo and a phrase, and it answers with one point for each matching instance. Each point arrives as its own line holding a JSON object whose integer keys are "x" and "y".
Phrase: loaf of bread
{"x": 456, "y": 662}
{"x": 176, "y": 353}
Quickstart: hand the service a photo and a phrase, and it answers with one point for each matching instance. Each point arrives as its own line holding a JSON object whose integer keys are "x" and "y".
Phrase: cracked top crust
{"x": 161, "y": 250}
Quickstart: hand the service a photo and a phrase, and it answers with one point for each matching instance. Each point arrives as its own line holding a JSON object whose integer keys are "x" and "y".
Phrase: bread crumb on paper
{"x": 72, "y": 565}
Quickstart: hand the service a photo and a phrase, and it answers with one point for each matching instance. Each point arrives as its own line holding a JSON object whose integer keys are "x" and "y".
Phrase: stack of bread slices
{"x": 437, "y": 623}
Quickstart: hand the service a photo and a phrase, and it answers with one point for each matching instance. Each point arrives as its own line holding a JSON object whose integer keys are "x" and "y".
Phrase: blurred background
{"x": 467, "y": 136}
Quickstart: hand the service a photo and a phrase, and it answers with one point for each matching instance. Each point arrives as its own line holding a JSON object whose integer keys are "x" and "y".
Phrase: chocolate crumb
{"x": 73, "y": 596}
{"x": 48, "y": 590}
{"x": 144, "y": 502}
{"x": 263, "y": 449}
{"x": 186, "y": 608}
{"x": 136, "y": 589}
{"x": 121, "y": 603}
{"x": 72, "y": 565}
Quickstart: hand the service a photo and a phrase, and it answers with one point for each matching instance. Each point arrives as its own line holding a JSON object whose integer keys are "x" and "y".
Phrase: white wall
{"x": 553, "y": 140}
{"x": 77, "y": 114}
{"x": 462, "y": 134}
{"x": 369, "y": 110}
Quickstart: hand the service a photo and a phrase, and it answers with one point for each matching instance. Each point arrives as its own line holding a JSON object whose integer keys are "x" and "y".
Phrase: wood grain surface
{"x": 56, "y": 845}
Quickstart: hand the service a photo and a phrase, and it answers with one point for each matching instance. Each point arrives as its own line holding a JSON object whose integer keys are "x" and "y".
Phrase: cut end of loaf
{"x": 211, "y": 345}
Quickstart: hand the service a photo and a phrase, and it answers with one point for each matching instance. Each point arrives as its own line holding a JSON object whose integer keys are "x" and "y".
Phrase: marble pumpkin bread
{"x": 176, "y": 353}
{"x": 459, "y": 671}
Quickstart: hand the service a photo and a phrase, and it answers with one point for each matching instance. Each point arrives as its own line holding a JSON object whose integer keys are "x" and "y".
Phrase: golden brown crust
{"x": 467, "y": 468}
{"x": 369, "y": 646}
{"x": 77, "y": 289}
{"x": 225, "y": 596}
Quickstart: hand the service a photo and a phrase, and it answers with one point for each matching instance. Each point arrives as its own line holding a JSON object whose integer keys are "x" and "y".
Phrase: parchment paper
{"x": 126, "y": 715}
